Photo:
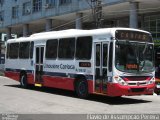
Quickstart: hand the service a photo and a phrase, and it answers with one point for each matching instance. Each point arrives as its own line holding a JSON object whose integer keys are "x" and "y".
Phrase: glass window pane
{"x": 8, "y": 47}
{"x": 153, "y": 26}
{"x": 24, "y": 50}
{"x": 84, "y": 48}
{"x": 158, "y": 25}
{"x": 14, "y": 49}
{"x": 110, "y": 56}
{"x": 42, "y": 53}
{"x": 51, "y": 49}
{"x": 66, "y": 48}
{"x": 105, "y": 53}
{"x": 98, "y": 55}
{"x": 37, "y": 5}
{"x": 31, "y": 49}
{"x": 26, "y": 8}
{"x": 15, "y": 12}
{"x": 37, "y": 55}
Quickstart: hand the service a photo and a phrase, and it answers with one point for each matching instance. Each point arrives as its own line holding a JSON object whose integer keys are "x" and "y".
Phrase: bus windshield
{"x": 134, "y": 57}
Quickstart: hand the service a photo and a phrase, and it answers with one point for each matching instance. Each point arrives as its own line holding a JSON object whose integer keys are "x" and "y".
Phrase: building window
{"x": 1, "y": 2}
{"x": 50, "y": 3}
{"x": 1, "y": 16}
{"x": 26, "y": 8}
{"x": 15, "y": 12}
{"x": 152, "y": 24}
{"x": 37, "y": 5}
{"x": 63, "y": 2}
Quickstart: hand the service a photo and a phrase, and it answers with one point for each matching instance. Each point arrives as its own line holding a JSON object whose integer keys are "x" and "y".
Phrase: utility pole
{"x": 96, "y": 6}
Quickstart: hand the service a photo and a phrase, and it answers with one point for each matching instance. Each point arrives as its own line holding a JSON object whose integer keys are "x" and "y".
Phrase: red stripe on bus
{"x": 12, "y": 75}
{"x": 64, "y": 83}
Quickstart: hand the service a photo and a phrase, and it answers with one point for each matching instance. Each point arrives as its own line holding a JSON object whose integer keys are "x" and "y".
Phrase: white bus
{"x": 108, "y": 61}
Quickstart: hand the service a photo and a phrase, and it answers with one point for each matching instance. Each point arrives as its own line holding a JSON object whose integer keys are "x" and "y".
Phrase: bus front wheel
{"x": 23, "y": 81}
{"x": 81, "y": 88}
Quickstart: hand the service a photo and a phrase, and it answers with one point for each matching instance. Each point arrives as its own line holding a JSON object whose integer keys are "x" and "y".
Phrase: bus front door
{"x": 101, "y": 56}
{"x": 39, "y": 64}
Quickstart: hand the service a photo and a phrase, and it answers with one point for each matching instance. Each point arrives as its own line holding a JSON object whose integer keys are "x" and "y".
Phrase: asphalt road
{"x": 14, "y": 99}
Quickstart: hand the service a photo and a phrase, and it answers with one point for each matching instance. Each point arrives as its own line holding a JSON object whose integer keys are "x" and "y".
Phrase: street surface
{"x": 17, "y": 100}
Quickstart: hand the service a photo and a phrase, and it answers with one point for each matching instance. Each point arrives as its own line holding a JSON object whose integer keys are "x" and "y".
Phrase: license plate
{"x": 158, "y": 86}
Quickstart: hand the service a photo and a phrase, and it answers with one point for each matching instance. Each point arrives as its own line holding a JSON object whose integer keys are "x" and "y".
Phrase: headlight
{"x": 120, "y": 80}
{"x": 110, "y": 79}
{"x": 151, "y": 81}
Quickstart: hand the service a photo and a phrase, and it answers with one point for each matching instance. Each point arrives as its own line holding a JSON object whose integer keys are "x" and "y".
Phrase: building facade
{"x": 25, "y": 17}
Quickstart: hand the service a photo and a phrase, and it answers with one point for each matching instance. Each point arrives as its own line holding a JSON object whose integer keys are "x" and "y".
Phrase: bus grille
{"x": 139, "y": 83}
{"x": 136, "y": 78}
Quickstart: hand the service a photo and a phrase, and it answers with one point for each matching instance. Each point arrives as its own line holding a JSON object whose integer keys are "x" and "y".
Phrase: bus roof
{"x": 70, "y": 33}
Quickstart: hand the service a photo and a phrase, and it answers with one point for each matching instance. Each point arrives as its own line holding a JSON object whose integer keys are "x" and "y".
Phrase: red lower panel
{"x": 12, "y": 75}
{"x": 58, "y": 82}
{"x": 30, "y": 78}
{"x": 16, "y": 75}
{"x": 63, "y": 83}
{"x": 55, "y": 82}
{"x": 90, "y": 86}
{"x": 118, "y": 90}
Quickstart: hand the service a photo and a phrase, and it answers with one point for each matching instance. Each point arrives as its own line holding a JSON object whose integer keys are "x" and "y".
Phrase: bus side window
{"x": 8, "y": 47}
{"x": 84, "y": 48}
{"x": 14, "y": 50}
{"x": 24, "y": 50}
{"x": 31, "y": 49}
{"x": 66, "y": 48}
{"x": 51, "y": 49}
{"x": 110, "y": 56}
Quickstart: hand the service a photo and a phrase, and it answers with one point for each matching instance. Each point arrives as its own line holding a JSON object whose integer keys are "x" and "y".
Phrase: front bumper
{"x": 115, "y": 89}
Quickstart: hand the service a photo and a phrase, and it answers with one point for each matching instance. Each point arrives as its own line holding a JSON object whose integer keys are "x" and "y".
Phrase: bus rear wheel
{"x": 23, "y": 81}
{"x": 81, "y": 88}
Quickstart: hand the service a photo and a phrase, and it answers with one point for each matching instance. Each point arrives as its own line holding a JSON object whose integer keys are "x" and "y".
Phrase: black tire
{"x": 23, "y": 81}
{"x": 81, "y": 88}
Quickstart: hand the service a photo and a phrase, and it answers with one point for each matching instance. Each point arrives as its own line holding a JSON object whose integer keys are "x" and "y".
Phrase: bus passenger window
{"x": 110, "y": 56}
{"x": 14, "y": 49}
{"x": 8, "y": 47}
{"x": 66, "y": 48}
{"x": 84, "y": 48}
{"x": 31, "y": 49}
{"x": 24, "y": 50}
{"x": 51, "y": 49}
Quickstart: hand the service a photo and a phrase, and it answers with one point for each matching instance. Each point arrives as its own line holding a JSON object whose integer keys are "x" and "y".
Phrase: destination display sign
{"x": 84, "y": 64}
{"x": 132, "y": 66}
{"x": 133, "y": 35}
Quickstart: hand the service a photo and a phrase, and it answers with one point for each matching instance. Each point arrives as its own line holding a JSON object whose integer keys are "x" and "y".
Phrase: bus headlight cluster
{"x": 120, "y": 80}
{"x": 151, "y": 81}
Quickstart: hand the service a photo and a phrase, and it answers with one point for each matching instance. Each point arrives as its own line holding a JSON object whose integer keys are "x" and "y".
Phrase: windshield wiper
{"x": 144, "y": 50}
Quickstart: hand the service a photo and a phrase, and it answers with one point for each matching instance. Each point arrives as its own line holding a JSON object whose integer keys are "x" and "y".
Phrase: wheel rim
{"x": 82, "y": 88}
{"x": 22, "y": 80}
